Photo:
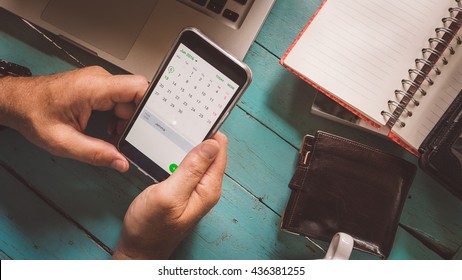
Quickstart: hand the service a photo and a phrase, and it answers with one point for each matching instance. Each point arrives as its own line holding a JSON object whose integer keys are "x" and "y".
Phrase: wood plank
{"x": 97, "y": 198}
{"x": 431, "y": 209}
{"x": 276, "y": 98}
{"x": 259, "y": 160}
{"x": 251, "y": 163}
{"x": 458, "y": 255}
{"x": 285, "y": 22}
{"x": 407, "y": 247}
{"x": 238, "y": 221}
{"x": 4, "y": 256}
{"x": 82, "y": 172}
{"x": 240, "y": 227}
{"x": 282, "y": 102}
{"x": 18, "y": 39}
{"x": 31, "y": 229}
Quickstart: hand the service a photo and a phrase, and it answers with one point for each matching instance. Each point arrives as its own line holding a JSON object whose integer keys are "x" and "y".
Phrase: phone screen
{"x": 187, "y": 100}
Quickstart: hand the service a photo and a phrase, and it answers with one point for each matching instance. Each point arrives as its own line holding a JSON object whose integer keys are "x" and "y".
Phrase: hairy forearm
{"x": 13, "y": 94}
{"x": 7, "y": 89}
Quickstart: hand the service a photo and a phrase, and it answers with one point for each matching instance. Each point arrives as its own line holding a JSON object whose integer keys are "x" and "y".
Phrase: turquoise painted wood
{"x": 458, "y": 255}
{"x": 285, "y": 22}
{"x": 283, "y": 105}
{"x": 259, "y": 160}
{"x": 4, "y": 256}
{"x": 431, "y": 209}
{"x": 264, "y": 132}
{"x": 407, "y": 247}
{"x": 17, "y": 40}
{"x": 238, "y": 221}
{"x": 97, "y": 199}
{"x": 240, "y": 227}
{"x": 31, "y": 229}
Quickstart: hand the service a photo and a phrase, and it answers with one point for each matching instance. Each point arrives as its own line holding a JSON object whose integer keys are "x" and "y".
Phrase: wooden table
{"x": 54, "y": 208}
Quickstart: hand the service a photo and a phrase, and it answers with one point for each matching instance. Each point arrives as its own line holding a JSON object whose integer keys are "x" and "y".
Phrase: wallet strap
{"x": 296, "y": 183}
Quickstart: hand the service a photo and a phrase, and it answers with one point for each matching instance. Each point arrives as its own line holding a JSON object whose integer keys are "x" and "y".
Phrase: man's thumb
{"x": 193, "y": 167}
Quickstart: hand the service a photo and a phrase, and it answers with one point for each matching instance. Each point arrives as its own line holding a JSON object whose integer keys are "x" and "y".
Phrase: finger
{"x": 124, "y": 110}
{"x": 192, "y": 169}
{"x": 111, "y": 127}
{"x": 128, "y": 88}
{"x": 217, "y": 169}
{"x": 72, "y": 143}
{"x": 118, "y": 89}
{"x": 122, "y": 113}
{"x": 209, "y": 189}
{"x": 116, "y": 127}
{"x": 120, "y": 127}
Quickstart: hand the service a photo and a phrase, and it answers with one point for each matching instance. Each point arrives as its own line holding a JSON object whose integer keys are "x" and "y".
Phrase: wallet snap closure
{"x": 305, "y": 151}
{"x": 305, "y": 159}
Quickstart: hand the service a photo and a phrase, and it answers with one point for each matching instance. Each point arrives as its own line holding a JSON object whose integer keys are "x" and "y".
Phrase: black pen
{"x": 12, "y": 69}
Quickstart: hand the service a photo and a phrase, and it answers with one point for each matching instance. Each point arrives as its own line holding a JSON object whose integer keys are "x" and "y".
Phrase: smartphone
{"x": 192, "y": 93}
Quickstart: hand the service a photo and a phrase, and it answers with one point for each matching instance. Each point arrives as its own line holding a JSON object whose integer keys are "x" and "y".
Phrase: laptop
{"x": 136, "y": 34}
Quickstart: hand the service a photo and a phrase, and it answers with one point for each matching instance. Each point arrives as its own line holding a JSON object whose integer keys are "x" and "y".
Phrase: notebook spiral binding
{"x": 436, "y": 51}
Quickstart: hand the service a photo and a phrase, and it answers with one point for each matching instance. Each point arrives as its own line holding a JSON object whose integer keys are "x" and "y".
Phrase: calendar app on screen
{"x": 182, "y": 108}
{"x": 192, "y": 93}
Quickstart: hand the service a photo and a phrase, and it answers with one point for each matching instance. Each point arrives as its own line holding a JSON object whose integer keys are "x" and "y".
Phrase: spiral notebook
{"x": 397, "y": 64}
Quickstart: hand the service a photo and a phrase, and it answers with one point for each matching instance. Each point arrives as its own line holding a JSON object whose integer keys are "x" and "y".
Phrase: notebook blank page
{"x": 359, "y": 51}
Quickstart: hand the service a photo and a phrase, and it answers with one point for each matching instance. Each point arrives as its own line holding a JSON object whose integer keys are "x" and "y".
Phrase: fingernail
{"x": 119, "y": 165}
{"x": 210, "y": 149}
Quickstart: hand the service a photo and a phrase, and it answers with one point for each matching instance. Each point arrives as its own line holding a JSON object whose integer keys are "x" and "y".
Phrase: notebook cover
{"x": 442, "y": 149}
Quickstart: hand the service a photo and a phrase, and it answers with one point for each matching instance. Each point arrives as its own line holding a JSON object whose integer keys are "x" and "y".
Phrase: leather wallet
{"x": 344, "y": 186}
{"x": 441, "y": 151}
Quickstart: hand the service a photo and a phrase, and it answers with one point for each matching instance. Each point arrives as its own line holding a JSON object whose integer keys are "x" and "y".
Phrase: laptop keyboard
{"x": 230, "y": 12}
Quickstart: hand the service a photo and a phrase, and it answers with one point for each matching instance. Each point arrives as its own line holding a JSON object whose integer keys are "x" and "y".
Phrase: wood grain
{"x": 264, "y": 131}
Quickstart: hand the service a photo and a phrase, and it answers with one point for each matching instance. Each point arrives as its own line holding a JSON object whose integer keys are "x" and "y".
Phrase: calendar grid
{"x": 190, "y": 94}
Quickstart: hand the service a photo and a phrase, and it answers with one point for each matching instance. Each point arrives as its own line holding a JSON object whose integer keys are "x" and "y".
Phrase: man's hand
{"x": 53, "y": 111}
{"x": 160, "y": 217}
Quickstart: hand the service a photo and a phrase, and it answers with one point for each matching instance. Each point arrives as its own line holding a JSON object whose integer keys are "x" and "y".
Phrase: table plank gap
{"x": 54, "y": 206}
{"x": 4, "y": 256}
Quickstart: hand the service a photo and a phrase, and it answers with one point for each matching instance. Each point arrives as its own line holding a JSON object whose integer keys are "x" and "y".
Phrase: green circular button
{"x": 173, "y": 167}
